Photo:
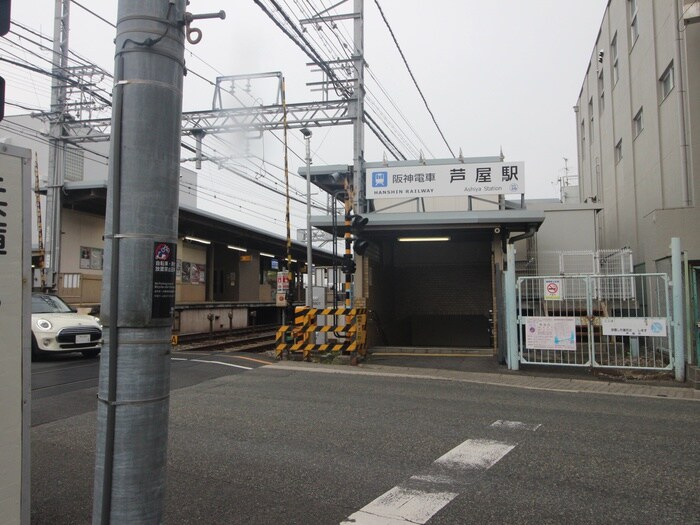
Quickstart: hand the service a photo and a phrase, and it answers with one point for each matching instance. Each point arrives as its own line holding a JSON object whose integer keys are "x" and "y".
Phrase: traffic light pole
{"x": 140, "y": 252}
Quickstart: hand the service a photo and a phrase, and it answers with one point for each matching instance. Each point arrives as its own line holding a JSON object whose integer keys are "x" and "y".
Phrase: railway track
{"x": 250, "y": 338}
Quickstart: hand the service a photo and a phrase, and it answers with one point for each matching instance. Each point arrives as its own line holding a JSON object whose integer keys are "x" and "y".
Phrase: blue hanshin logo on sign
{"x": 380, "y": 179}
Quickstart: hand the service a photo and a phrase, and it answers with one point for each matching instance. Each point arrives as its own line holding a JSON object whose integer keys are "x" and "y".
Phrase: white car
{"x": 58, "y": 328}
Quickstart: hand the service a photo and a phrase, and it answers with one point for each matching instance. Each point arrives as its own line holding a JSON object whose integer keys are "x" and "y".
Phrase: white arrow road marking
{"x": 515, "y": 425}
{"x": 423, "y": 495}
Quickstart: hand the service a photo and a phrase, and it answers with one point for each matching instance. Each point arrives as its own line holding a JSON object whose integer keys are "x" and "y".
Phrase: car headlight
{"x": 43, "y": 324}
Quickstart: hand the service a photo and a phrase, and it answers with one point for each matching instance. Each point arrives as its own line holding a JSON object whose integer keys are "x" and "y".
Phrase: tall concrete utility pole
{"x": 56, "y": 144}
{"x": 359, "y": 103}
{"x": 138, "y": 291}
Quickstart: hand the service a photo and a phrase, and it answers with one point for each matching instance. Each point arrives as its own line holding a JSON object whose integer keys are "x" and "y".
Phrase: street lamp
{"x": 309, "y": 247}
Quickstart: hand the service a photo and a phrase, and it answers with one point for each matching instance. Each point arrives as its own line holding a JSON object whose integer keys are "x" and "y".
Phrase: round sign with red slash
{"x": 552, "y": 289}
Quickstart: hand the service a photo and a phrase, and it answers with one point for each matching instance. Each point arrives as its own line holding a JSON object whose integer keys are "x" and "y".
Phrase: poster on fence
{"x": 550, "y": 333}
{"x": 635, "y": 326}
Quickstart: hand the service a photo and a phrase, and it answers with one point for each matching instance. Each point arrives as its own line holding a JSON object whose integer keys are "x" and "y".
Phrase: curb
{"x": 570, "y": 386}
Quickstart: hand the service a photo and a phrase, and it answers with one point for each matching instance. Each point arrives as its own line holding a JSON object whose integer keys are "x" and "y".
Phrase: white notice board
{"x": 550, "y": 333}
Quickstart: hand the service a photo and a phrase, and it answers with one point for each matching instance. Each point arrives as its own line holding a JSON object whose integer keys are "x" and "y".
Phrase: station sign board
{"x": 316, "y": 235}
{"x": 448, "y": 180}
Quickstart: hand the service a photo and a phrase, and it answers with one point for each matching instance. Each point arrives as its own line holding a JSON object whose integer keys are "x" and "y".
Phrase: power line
{"x": 410, "y": 72}
{"x": 94, "y": 14}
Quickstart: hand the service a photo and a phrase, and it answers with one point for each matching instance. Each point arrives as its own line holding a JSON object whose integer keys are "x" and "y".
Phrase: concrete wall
{"x": 567, "y": 227}
{"x": 641, "y": 192}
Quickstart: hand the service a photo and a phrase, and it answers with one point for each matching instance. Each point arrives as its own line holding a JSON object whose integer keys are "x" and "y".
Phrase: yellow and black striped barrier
{"x": 297, "y": 337}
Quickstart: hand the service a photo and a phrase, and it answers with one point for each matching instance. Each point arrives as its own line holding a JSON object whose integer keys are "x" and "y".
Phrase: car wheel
{"x": 90, "y": 353}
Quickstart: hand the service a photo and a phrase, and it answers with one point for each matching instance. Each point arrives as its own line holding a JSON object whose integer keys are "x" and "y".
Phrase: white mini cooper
{"x": 58, "y": 328}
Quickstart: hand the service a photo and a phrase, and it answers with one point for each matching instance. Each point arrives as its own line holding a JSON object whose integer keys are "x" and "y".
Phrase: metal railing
{"x": 605, "y": 321}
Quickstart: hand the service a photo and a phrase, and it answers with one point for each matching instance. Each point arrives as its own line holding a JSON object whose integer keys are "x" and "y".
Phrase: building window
{"x": 618, "y": 151}
{"x": 615, "y": 61}
{"x": 634, "y": 22}
{"x": 638, "y": 122}
{"x": 601, "y": 91}
{"x": 667, "y": 81}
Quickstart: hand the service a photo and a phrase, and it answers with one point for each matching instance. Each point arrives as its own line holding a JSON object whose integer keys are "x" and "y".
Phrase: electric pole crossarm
{"x": 260, "y": 118}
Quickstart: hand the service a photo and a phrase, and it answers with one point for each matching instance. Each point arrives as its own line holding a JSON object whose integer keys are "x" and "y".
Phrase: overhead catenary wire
{"x": 410, "y": 72}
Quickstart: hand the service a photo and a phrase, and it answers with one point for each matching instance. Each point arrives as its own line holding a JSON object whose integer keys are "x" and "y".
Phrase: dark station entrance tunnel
{"x": 432, "y": 293}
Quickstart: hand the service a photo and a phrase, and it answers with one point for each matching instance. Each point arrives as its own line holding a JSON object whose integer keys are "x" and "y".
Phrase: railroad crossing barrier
{"x": 348, "y": 326}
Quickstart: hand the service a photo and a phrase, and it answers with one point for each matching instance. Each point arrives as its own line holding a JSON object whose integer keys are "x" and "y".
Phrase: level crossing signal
{"x": 357, "y": 226}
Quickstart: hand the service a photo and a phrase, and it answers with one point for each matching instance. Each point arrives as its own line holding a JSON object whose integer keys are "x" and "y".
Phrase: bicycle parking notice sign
{"x": 552, "y": 290}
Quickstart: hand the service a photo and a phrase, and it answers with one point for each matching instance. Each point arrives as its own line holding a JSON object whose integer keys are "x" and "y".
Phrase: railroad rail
{"x": 250, "y": 338}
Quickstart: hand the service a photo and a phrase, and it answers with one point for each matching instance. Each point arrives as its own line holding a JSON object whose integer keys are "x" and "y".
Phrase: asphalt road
{"x": 273, "y": 446}
{"x": 65, "y": 385}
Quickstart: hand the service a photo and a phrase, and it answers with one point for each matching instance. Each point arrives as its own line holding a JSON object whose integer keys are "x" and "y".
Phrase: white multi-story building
{"x": 638, "y": 122}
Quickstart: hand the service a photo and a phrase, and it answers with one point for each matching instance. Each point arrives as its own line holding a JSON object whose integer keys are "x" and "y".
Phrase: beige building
{"x": 638, "y": 124}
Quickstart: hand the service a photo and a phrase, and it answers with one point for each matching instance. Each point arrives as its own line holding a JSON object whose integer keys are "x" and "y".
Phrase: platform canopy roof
{"x": 91, "y": 197}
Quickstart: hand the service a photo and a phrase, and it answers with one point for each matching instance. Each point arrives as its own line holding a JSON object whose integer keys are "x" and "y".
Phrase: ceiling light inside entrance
{"x": 424, "y": 239}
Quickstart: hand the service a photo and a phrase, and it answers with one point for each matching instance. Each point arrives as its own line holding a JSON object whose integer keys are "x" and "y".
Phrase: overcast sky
{"x": 496, "y": 74}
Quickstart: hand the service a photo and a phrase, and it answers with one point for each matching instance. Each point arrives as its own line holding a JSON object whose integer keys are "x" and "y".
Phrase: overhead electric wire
{"x": 93, "y": 13}
{"x": 410, "y": 72}
{"x": 344, "y": 40}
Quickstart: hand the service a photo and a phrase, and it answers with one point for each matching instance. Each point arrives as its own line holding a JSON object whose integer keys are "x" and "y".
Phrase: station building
{"x": 432, "y": 276}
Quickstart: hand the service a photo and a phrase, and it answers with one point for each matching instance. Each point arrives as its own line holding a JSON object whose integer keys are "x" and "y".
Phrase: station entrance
{"x": 433, "y": 279}
{"x": 432, "y": 291}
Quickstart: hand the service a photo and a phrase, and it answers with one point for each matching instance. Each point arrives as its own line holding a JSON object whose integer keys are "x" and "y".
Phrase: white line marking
{"x": 475, "y": 454}
{"x": 405, "y": 504}
{"x": 515, "y": 425}
{"x": 401, "y": 506}
{"x": 220, "y": 363}
{"x": 212, "y": 362}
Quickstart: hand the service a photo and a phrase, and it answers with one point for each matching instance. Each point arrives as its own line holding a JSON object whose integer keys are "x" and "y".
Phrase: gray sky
{"x": 496, "y": 74}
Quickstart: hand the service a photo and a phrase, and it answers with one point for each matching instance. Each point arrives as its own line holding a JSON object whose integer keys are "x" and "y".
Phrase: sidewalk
{"x": 502, "y": 379}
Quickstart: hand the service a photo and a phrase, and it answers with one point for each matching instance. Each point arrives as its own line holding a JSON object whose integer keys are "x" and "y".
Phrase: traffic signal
{"x": 4, "y": 29}
{"x": 358, "y": 224}
{"x": 348, "y": 265}
{"x": 4, "y": 17}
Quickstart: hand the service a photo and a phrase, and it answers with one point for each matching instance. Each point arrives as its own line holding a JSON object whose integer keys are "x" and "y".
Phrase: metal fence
{"x": 614, "y": 321}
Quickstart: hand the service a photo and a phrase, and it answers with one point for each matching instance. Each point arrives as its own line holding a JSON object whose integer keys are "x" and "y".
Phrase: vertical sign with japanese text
{"x": 447, "y": 180}
{"x": 164, "y": 272}
{"x": 15, "y": 320}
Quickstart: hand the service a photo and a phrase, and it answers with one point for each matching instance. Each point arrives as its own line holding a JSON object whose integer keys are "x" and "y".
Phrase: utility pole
{"x": 309, "y": 239}
{"x": 138, "y": 291}
{"x": 56, "y": 144}
{"x": 39, "y": 229}
{"x": 359, "y": 103}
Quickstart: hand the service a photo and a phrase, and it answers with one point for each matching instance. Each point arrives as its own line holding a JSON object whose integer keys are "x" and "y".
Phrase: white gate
{"x": 613, "y": 321}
